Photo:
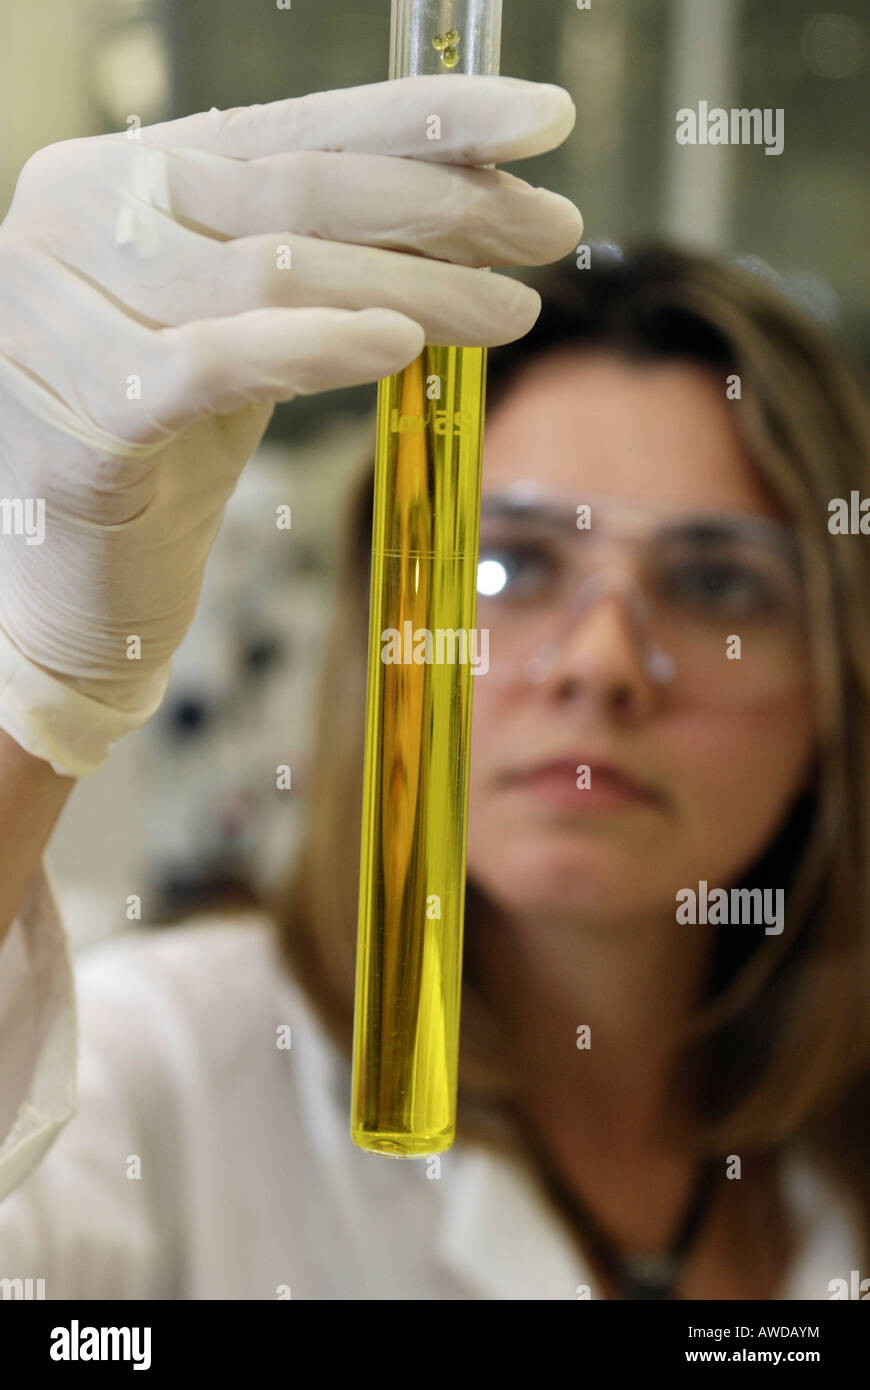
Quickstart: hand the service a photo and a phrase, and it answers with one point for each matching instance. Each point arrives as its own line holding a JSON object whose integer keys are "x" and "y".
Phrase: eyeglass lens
{"x": 722, "y": 599}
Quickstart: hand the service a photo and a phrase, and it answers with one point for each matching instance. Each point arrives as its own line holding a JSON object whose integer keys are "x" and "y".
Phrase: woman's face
{"x": 720, "y": 779}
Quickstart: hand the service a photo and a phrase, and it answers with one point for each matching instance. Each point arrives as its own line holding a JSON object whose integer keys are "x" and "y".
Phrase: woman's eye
{"x": 513, "y": 571}
{"x": 721, "y": 587}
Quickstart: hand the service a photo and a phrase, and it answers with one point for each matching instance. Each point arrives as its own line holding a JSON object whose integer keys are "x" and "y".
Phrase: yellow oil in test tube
{"x": 422, "y": 645}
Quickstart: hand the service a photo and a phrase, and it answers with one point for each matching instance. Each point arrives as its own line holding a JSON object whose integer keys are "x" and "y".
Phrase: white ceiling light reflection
{"x": 491, "y": 577}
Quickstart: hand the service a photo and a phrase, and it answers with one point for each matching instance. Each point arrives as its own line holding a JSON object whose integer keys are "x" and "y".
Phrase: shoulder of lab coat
{"x": 205, "y": 1160}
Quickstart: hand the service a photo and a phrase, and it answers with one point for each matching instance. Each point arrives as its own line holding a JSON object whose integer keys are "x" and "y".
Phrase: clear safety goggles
{"x": 715, "y": 600}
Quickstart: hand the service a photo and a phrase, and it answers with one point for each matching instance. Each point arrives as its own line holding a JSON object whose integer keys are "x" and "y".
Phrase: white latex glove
{"x": 146, "y": 331}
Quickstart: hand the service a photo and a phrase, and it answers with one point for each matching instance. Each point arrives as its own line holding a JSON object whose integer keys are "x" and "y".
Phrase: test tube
{"x": 422, "y": 610}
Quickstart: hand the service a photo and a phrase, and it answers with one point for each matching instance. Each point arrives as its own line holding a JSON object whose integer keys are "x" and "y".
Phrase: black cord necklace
{"x": 639, "y": 1276}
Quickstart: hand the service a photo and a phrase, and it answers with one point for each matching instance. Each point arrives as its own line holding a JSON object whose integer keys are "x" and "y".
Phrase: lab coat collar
{"x": 495, "y": 1231}
{"x": 499, "y": 1235}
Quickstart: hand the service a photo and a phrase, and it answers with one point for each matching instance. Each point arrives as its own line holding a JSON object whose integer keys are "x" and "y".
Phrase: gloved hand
{"x": 159, "y": 294}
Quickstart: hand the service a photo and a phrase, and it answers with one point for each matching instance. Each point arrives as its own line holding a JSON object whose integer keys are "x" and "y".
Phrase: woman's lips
{"x": 556, "y": 784}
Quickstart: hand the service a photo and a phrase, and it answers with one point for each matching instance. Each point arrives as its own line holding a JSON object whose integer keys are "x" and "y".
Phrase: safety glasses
{"x": 716, "y": 600}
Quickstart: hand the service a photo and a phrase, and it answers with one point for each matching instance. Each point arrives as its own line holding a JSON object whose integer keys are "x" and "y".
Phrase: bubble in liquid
{"x": 447, "y": 45}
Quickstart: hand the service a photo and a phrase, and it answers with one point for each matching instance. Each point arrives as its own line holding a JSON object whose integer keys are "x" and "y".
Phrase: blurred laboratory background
{"x": 186, "y": 813}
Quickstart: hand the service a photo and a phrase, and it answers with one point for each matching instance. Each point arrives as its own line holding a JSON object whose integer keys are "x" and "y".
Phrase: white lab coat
{"x": 205, "y": 1161}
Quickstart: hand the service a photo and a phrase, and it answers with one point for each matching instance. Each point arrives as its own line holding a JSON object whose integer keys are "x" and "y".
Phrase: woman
{"x": 688, "y": 391}
{"x": 649, "y": 1107}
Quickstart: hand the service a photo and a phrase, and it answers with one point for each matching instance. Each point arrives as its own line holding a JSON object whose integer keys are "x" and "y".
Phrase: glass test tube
{"x": 425, "y": 540}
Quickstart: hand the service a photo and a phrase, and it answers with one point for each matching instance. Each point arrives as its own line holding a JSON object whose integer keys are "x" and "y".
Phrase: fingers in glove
{"x": 221, "y": 365}
{"x": 184, "y": 277}
{"x": 473, "y": 217}
{"x": 483, "y": 120}
{"x": 130, "y": 387}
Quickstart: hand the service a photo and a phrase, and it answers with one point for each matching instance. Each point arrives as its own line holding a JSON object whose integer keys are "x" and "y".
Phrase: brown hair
{"x": 779, "y": 1050}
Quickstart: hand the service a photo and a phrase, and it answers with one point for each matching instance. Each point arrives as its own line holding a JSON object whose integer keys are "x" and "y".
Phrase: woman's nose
{"x": 605, "y": 655}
